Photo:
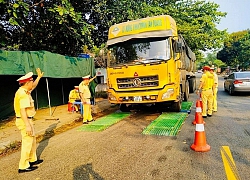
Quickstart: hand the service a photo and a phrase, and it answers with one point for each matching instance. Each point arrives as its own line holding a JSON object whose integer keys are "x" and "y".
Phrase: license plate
{"x": 137, "y": 98}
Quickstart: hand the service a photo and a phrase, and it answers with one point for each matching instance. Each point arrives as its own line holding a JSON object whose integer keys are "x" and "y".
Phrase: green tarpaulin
{"x": 53, "y": 65}
{"x": 61, "y": 74}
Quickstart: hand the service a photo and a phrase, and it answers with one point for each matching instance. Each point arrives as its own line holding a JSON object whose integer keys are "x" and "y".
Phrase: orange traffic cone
{"x": 198, "y": 111}
{"x": 200, "y": 143}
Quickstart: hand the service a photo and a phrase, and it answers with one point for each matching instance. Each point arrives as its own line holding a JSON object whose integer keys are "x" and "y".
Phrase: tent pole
{"x": 62, "y": 91}
{"x": 48, "y": 95}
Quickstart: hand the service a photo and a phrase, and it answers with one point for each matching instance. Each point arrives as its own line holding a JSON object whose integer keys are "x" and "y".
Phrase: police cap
{"x": 206, "y": 68}
{"x": 27, "y": 77}
{"x": 86, "y": 77}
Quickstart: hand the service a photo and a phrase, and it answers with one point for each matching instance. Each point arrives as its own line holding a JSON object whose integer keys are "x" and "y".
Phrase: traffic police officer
{"x": 25, "y": 110}
{"x": 215, "y": 90}
{"x": 85, "y": 97}
{"x": 206, "y": 85}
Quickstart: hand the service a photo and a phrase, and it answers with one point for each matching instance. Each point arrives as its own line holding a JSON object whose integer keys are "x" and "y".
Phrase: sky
{"x": 238, "y": 15}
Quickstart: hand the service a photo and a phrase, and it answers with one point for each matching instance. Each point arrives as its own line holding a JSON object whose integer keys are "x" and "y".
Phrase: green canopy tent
{"x": 61, "y": 74}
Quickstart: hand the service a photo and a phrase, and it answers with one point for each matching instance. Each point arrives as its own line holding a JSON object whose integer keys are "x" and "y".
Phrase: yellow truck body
{"x": 149, "y": 64}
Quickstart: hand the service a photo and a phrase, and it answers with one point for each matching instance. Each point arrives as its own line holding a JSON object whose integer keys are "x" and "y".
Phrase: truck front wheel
{"x": 124, "y": 108}
{"x": 176, "y": 106}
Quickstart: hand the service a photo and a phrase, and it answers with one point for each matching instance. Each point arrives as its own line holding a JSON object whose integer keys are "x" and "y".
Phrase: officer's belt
{"x": 27, "y": 117}
{"x": 206, "y": 89}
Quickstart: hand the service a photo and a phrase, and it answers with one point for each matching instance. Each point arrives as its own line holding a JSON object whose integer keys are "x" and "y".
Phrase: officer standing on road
{"x": 215, "y": 90}
{"x": 25, "y": 110}
{"x": 85, "y": 97}
{"x": 206, "y": 85}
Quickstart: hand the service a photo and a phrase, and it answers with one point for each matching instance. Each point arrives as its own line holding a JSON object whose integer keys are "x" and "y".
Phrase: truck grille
{"x": 138, "y": 82}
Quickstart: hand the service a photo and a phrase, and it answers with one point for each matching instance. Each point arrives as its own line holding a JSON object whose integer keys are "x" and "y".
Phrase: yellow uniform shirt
{"x": 23, "y": 99}
{"x": 215, "y": 79}
{"x": 85, "y": 90}
{"x": 208, "y": 80}
{"x": 73, "y": 95}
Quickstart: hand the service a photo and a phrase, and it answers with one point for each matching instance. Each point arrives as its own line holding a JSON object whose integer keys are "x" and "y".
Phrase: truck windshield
{"x": 140, "y": 51}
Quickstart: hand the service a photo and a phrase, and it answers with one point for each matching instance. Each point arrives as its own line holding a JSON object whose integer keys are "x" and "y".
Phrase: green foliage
{"x": 210, "y": 60}
{"x": 219, "y": 63}
{"x": 197, "y": 22}
{"x": 236, "y": 50}
{"x": 65, "y": 27}
{"x": 52, "y": 25}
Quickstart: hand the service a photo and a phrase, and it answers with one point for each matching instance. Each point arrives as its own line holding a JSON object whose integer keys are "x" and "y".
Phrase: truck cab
{"x": 146, "y": 65}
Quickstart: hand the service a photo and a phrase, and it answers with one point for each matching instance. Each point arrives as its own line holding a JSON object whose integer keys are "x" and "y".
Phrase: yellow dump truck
{"x": 149, "y": 64}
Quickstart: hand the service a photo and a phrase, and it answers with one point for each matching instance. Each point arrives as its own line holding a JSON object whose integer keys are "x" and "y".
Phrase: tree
{"x": 244, "y": 55}
{"x": 218, "y": 63}
{"x": 196, "y": 20}
{"x": 64, "y": 26}
{"x": 44, "y": 25}
{"x": 236, "y": 50}
{"x": 210, "y": 60}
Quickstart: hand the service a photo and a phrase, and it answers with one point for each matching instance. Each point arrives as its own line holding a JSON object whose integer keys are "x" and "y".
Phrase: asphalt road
{"x": 121, "y": 152}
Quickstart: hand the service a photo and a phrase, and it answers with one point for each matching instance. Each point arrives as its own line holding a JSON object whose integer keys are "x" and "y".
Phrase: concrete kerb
{"x": 47, "y": 126}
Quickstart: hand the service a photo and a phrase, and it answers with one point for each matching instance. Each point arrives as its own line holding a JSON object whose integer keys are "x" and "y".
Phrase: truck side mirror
{"x": 178, "y": 47}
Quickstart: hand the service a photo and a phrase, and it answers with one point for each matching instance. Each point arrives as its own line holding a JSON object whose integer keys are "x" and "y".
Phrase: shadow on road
{"x": 85, "y": 172}
{"x": 49, "y": 132}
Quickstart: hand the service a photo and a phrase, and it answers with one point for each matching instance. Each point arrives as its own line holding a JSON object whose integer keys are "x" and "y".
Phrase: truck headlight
{"x": 168, "y": 94}
{"x": 112, "y": 97}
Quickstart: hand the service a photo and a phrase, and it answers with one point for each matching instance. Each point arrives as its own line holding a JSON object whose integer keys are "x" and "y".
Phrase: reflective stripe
{"x": 198, "y": 109}
{"x": 199, "y": 127}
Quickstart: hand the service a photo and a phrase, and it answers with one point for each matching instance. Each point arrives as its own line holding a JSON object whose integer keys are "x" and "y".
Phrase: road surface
{"x": 122, "y": 152}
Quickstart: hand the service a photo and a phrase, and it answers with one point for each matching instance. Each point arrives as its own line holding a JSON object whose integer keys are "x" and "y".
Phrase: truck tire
{"x": 124, "y": 108}
{"x": 186, "y": 93}
{"x": 176, "y": 106}
{"x": 192, "y": 85}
